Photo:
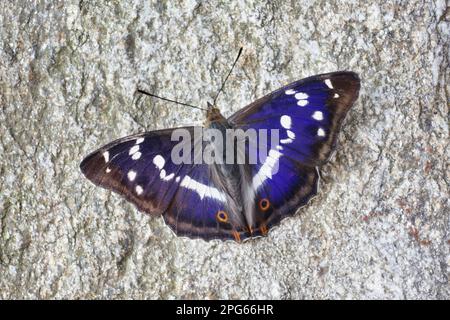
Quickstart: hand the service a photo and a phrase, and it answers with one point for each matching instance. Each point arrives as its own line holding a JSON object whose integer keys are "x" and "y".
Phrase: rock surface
{"x": 68, "y": 73}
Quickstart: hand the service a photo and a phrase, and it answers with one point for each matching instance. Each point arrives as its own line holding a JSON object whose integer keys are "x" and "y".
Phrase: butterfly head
{"x": 213, "y": 115}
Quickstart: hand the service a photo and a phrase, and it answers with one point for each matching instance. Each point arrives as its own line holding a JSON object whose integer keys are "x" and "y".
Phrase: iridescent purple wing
{"x": 203, "y": 208}
{"x": 308, "y": 114}
{"x": 137, "y": 168}
{"x": 188, "y": 195}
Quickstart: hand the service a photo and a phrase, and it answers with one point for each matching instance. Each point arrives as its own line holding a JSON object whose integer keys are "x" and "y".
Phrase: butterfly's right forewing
{"x": 308, "y": 114}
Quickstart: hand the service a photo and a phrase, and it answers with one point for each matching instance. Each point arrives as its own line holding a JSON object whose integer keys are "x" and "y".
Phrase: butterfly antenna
{"x": 223, "y": 83}
{"x": 170, "y": 100}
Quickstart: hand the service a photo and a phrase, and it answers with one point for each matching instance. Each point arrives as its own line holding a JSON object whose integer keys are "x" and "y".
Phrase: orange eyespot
{"x": 222, "y": 216}
{"x": 264, "y": 204}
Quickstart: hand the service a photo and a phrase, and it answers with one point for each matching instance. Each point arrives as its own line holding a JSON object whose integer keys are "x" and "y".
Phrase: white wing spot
{"x": 169, "y": 177}
{"x": 159, "y": 161}
{"x": 136, "y": 155}
{"x": 265, "y": 172}
{"x": 328, "y": 83}
{"x": 290, "y": 134}
{"x": 336, "y": 95}
{"x": 321, "y": 132}
{"x": 139, "y": 141}
{"x": 286, "y": 141}
{"x": 289, "y": 92}
{"x": 106, "y": 156}
{"x": 279, "y": 147}
{"x": 131, "y": 175}
{"x": 318, "y": 115}
{"x": 162, "y": 174}
{"x": 139, "y": 190}
{"x": 301, "y": 96}
{"x": 202, "y": 189}
{"x": 133, "y": 150}
{"x": 108, "y": 170}
{"x": 302, "y": 103}
{"x": 177, "y": 179}
{"x": 286, "y": 121}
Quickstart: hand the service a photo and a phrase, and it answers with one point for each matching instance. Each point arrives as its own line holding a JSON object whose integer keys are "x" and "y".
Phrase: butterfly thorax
{"x": 215, "y": 120}
{"x": 228, "y": 174}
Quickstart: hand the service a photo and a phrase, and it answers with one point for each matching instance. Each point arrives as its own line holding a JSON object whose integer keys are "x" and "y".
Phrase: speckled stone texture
{"x": 379, "y": 227}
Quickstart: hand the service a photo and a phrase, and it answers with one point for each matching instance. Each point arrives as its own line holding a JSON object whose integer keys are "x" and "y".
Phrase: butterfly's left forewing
{"x": 188, "y": 195}
{"x": 137, "y": 167}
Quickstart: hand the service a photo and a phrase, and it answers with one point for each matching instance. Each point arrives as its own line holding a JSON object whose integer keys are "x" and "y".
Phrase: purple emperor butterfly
{"x": 237, "y": 201}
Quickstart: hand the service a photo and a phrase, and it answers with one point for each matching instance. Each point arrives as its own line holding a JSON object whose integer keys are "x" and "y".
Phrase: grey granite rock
{"x": 380, "y": 226}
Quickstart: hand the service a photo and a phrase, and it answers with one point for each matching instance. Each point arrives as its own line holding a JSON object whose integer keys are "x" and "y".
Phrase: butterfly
{"x": 233, "y": 201}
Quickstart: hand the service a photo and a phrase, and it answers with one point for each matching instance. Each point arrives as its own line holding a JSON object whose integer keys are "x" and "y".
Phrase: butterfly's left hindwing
{"x": 202, "y": 208}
